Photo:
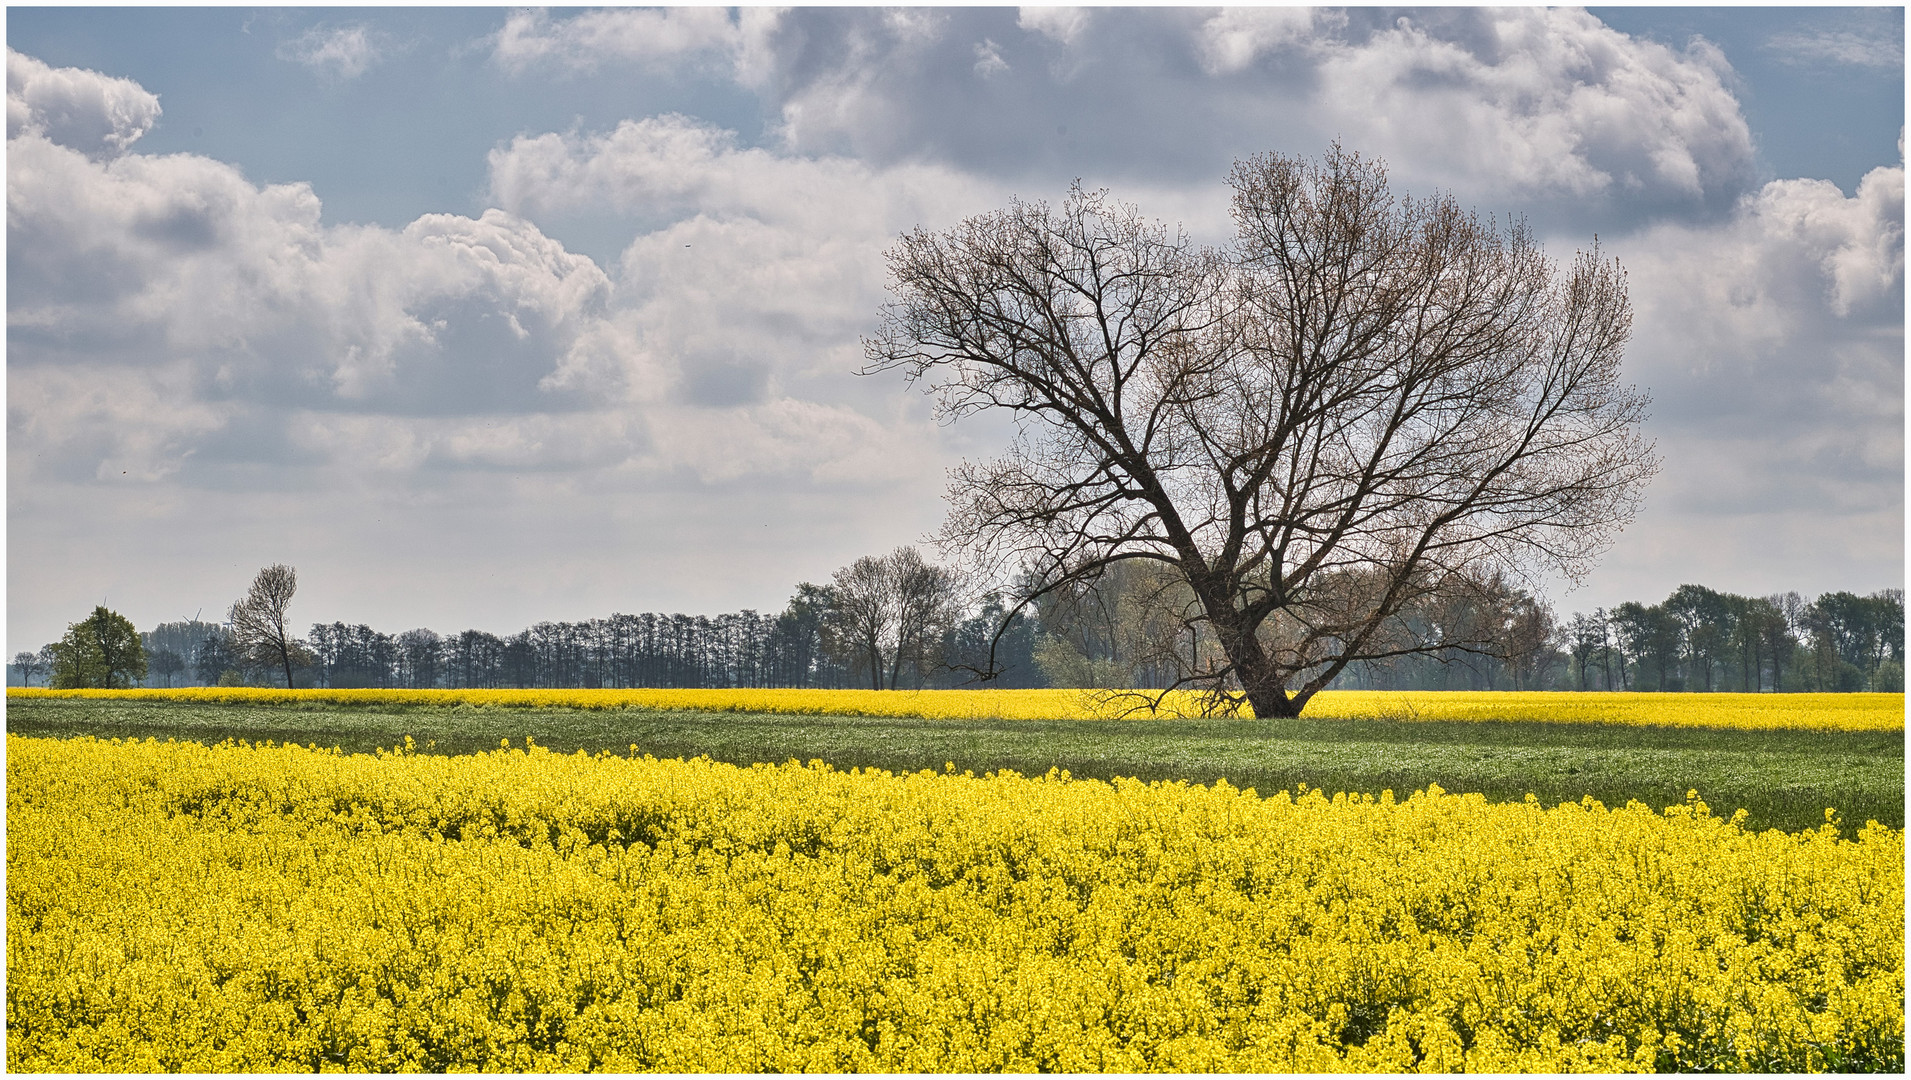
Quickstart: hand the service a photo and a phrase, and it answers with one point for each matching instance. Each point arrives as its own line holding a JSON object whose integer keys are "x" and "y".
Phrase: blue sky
{"x": 480, "y": 316}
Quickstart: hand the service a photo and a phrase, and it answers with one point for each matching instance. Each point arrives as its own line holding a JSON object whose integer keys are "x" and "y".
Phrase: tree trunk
{"x": 1260, "y": 680}
{"x": 1273, "y": 702}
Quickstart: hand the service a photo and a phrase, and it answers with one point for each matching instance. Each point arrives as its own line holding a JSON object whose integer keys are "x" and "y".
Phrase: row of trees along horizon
{"x": 900, "y": 622}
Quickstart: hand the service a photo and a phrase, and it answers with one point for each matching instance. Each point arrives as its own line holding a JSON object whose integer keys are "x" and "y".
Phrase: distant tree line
{"x": 1697, "y": 639}
{"x": 891, "y": 621}
{"x": 1122, "y": 633}
{"x": 898, "y": 621}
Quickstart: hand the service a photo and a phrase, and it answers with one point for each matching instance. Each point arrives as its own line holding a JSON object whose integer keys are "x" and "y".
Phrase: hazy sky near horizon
{"x": 480, "y": 317}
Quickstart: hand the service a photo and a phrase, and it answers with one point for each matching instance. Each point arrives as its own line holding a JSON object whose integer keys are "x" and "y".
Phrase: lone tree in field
{"x": 259, "y": 631}
{"x": 1364, "y": 402}
{"x": 101, "y": 651}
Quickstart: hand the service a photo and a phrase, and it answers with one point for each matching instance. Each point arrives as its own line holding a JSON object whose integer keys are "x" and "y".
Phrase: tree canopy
{"x": 1363, "y": 403}
{"x": 259, "y": 628}
{"x": 101, "y": 651}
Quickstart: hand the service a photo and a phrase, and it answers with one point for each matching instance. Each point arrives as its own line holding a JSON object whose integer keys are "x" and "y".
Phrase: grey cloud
{"x": 721, "y": 382}
{"x": 1773, "y": 344}
{"x": 1547, "y": 111}
{"x": 861, "y": 83}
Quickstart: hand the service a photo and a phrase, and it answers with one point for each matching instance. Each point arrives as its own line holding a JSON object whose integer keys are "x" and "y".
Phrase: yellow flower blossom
{"x": 178, "y": 907}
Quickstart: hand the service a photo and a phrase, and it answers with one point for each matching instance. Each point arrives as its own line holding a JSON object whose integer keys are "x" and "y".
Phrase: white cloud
{"x": 538, "y": 442}
{"x": 343, "y": 52}
{"x": 1838, "y": 47}
{"x": 1547, "y": 107}
{"x": 164, "y": 313}
{"x": 1542, "y": 101}
{"x": 988, "y": 59}
{"x": 740, "y": 308}
{"x": 1062, "y": 25}
{"x": 227, "y": 328}
{"x": 1235, "y": 37}
{"x": 1856, "y": 243}
{"x": 789, "y": 437}
{"x": 1798, "y": 259}
{"x": 104, "y": 422}
{"x": 98, "y": 115}
{"x": 1773, "y": 345}
{"x": 676, "y": 166}
{"x": 532, "y": 39}
{"x": 183, "y": 255}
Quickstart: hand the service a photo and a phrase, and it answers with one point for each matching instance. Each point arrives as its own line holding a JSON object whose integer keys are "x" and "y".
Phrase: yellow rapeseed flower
{"x": 183, "y": 908}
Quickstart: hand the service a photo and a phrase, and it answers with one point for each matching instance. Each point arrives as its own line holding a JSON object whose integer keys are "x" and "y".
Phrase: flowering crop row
{"x": 172, "y": 906}
{"x": 1835, "y": 712}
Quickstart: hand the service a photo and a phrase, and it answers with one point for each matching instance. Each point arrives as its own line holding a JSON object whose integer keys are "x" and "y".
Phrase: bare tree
{"x": 888, "y": 611}
{"x": 259, "y": 630}
{"x": 421, "y": 653}
{"x": 1528, "y": 641}
{"x": 1602, "y": 626}
{"x": 861, "y": 620}
{"x": 925, "y": 600}
{"x": 1360, "y": 401}
{"x": 32, "y": 665}
{"x": 1584, "y": 635}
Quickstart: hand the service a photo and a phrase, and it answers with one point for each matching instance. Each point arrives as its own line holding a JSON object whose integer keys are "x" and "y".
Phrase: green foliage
{"x": 1889, "y": 678}
{"x": 101, "y": 650}
{"x": 1062, "y": 664}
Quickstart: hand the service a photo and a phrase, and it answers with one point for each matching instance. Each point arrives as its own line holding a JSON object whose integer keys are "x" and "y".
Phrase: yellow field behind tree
{"x": 1829, "y": 712}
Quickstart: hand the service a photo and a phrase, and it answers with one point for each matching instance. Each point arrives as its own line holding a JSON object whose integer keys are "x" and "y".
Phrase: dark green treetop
{"x": 101, "y": 650}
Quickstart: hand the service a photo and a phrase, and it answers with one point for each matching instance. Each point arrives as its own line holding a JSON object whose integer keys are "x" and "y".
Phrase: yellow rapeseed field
{"x": 172, "y": 906}
{"x": 1838, "y": 712}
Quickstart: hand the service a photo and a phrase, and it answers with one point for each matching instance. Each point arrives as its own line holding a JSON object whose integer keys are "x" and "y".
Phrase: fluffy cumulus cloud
{"x": 1547, "y": 108}
{"x": 1234, "y": 38}
{"x": 168, "y": 317}
{"x": 1773, "y": 344}
{"x": 98, "y": 115}
{"x": 1545, "y": 102}
{"x": 741, "y": 299}
{"x": 183, "y": 257}
{"x": 1059, "y": 24}
{"x": 197, "y": 306}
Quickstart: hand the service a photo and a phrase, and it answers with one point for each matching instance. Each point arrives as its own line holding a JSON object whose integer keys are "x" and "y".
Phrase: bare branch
{"x": 1365, "y": 404}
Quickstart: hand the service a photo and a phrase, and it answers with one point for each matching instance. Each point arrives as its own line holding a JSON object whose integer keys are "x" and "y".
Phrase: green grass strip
{"x": 1783, "y": 779}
